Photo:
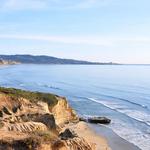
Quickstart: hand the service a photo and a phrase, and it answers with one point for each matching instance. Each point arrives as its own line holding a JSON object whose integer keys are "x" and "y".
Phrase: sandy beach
{"x": 101, "y": 137}
{"x": 83, "y": 130}
{"x": 114, "y": 141}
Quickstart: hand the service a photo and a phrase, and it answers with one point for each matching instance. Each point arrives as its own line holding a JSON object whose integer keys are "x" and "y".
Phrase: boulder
{"x": 82, "y": 119}
{"x": 101, "y": 120}
{"x": 67, "y": 134}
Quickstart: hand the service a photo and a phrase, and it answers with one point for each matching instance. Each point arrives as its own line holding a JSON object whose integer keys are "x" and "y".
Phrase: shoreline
{"x": 43, "y": 121}
{"x": 30, "y": 112}
{"x": 100, "y": 137}
{"x": 83, "y": 130}
{"x": 114, "y": 141}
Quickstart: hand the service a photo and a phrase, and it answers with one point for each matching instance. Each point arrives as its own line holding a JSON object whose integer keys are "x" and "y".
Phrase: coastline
{"x": 25, "y": 113}
{"x": 83, "y": 130}
{"x": 113, "y": 140}
{"x": 43, "y": 121}
{"x": 100, "y": 137}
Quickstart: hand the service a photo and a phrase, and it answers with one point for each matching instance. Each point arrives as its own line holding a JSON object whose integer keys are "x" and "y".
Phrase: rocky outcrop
{"x": 96, "y": 120}
{"x": 63, "y": 113}
{"x": 100, "y": 120}
{"x": 73, "y": 142}
{"x": 33, "y": 120}
{"x": 67, "y": 134}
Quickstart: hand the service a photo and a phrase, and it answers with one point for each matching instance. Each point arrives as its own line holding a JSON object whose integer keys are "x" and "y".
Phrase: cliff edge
{"x": 38, "y": 121}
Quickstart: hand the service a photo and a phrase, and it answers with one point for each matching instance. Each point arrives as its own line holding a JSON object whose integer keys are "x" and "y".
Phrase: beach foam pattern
{"x": 123, "y": 129}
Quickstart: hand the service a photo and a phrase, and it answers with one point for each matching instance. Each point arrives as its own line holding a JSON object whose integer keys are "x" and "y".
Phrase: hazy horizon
{"x": 92, "y": 30}
{"x": 81, "y": 59}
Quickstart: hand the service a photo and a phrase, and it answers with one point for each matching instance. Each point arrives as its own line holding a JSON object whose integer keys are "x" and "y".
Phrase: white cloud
{"x": 84, "y": 40}
{"x": 50, "y": 4}
{"x": 61, "y": 39}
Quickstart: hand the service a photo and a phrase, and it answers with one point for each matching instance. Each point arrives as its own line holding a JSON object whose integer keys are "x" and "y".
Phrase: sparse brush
{"x": 50, "y": 99}
{"x": 46, "y": 136}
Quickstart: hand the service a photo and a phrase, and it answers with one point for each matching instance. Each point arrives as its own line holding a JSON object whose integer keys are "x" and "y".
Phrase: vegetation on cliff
{"x": 34, "y": 120}
{"x": 50, "y": 99}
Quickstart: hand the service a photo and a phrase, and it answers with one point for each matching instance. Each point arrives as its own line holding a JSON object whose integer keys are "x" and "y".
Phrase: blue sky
{"x": 95, "y": 30}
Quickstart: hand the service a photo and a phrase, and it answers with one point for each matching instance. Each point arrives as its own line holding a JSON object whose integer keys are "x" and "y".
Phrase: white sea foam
{"x": 131, "y": 134}
{"x": 123, "y": 129}
{"x": 133, "y": 113}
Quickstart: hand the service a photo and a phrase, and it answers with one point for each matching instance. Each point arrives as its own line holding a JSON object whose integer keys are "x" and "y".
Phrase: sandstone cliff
{"x": 33, "y": 120}
{"x": 6, "y": 62}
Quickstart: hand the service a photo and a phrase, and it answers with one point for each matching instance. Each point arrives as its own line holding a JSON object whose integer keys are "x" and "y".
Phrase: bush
{"x": 50, "y": 99}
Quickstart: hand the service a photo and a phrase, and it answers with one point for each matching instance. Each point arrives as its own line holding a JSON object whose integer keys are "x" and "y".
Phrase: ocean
{"x": 119, "y": 92}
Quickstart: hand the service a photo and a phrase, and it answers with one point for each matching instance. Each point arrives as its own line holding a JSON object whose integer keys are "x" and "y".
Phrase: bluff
{"x": 35, "y": 121}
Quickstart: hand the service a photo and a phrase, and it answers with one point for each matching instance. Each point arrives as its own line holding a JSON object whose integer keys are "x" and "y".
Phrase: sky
{"x": 93, "y": 30}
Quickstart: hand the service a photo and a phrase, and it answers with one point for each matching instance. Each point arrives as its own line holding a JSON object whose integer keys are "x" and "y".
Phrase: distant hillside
{"x": 7, "y": 62}
{"x": 30, "y": 59}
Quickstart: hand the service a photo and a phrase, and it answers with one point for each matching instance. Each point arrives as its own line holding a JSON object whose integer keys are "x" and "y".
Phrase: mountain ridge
{"x": 43, "y": 59}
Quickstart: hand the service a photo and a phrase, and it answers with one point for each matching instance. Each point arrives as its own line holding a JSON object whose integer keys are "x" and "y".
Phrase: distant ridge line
{"x": 43, "y": 59}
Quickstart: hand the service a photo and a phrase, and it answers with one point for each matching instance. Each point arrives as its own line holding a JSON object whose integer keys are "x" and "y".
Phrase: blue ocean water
{"x": 120, "y": 92}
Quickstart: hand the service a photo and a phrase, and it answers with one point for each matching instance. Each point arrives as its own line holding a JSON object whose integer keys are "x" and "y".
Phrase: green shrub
{"x": 50, "y": 99}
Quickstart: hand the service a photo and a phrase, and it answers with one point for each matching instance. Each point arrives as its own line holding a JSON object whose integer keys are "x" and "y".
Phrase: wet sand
{"x": 114, "y": 141}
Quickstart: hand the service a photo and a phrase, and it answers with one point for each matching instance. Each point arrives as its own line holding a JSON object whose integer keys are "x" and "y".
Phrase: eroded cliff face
{"x": 31, "y": 120}
{"x": 63, "y": 113}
